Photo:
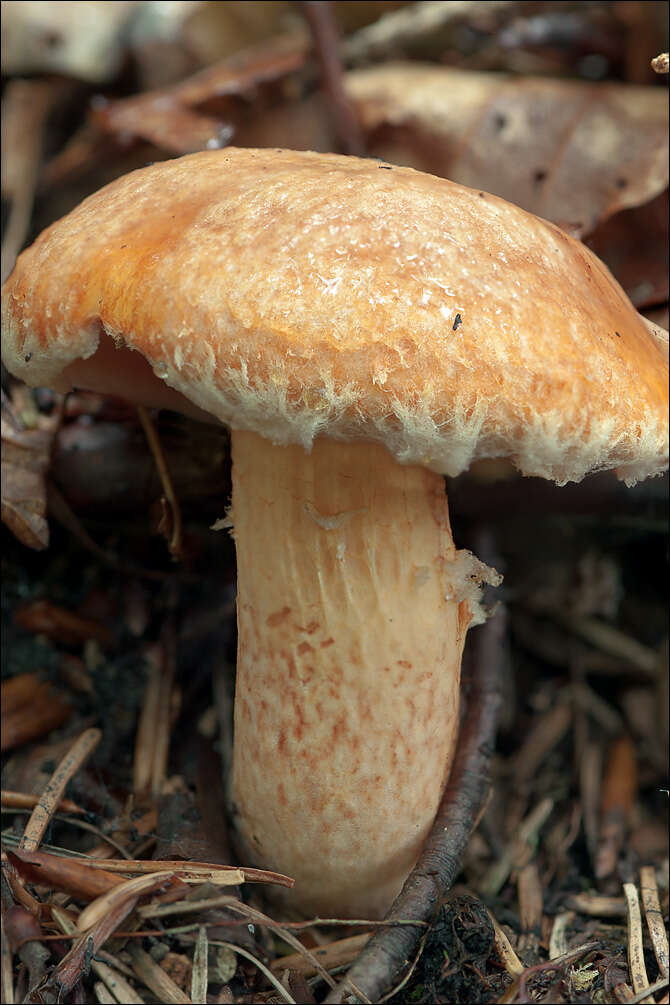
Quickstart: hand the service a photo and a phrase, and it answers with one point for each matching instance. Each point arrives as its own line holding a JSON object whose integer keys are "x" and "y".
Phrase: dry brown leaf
{"x": 570, "y": 151}
{"x": 176, "y": 119}
{"x": 25, "y": 460}
{"x": 61, "y": 625}
{"x": 30, "y": 708}
{"x": 69, "y": 874}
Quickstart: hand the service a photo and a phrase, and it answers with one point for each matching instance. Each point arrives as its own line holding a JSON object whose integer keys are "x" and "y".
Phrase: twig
{"x": 156, "y": 979}
{"x": 153, "y": 732}
{"x": 557, "y": 942}
{"x": 547, "y": 732}
{"x": 340, "y": 953}
{"x": 263, "y": 969}
{"x": 27, "y": 801}
{"x": 203, "y": 870}
{"x": 389, "y": 949}
{"x": 319, "y": 16}
{"x": 7, "y": 982}
{"x": 104, "y": 996}
{"x": 598, "y": 906}
{"x": 641, "y": 996}
{"x": 518, "y": 989}
{"x": 638, "y": 971}
{"x": 111, "y": 899}
{"x": 509, "y": 958}
{"x": 403, "y": 29}
{"x": 530, "y": 908}
{"x": 618, "y": 794}
{"x": 175, "y": 541}
{"x": 84, "y": 950}
{"x": 200, "y": 974}
{"x": 62, "y": 512}
{"x": 252, "y": 914}
{"x": 611, "y": 640}
{"x": 526, "y": 835}
{"x": 25, "y": 107}
{"x": 652, "y": 910}
{"x": 53, "y": 793}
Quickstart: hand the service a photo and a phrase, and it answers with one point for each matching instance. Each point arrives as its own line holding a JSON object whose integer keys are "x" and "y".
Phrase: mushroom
{"x": 363, "y": 330}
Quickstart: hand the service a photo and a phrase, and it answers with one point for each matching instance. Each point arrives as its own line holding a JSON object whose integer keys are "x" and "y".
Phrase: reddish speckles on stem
{"x": 273, "y": 620}
{"x": 348, "y": 731}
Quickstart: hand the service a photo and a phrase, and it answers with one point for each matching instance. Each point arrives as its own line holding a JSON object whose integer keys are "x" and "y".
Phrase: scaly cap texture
{"x": 301, "y": 295}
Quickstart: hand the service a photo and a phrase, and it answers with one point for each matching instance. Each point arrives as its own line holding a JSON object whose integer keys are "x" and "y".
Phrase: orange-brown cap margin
{"x": 302, "y": 295}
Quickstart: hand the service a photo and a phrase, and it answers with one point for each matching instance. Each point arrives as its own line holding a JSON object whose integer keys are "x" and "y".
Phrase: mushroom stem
{"x": 349, "y": 653}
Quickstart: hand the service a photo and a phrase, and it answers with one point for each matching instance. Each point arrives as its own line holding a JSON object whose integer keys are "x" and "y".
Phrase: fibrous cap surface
{"x": 301, "y": 295}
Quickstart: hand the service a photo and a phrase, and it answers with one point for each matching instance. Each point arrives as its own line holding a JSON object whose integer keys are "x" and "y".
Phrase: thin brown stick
{"x": 638, "y": 971}
{"x": 62, "y": 512}
{"x": 200, "y": 972}
{"x": 26, "y": 801}
{"x": 25, "y": 107}
{"x": 175, "y": 541}
{"x": 389, "y": 949}
{"x": 206, "y": 869}
{"x": 654, "y": 916}
{"x": 261, "y": 966}
{"x": 508, "y": 957}
{"x": 340, "y": 953}
{"x": 41, "y": 816}
{"x": 156, "y": 979}
{"x": 558, "y": 964}
{"x": 6, "y": 969}
{"x": 153, "y": 729}
{"x": 319, "y": 16}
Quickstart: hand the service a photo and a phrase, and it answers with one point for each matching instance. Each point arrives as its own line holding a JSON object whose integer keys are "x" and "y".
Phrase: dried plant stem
{"x": 175, "y": 542}
{"x": 517, "y": 990}
{"x": 200, "y": 973}
{"x": 153, "y": 732}
{"x": 654, "y": 916}
{"x": 53, "y": 793}
{"x": 26, "y": 801}
{"x": 25, "y": 107}
{"x": 325, "y": 33}
{"x": 389, "y": 949}
{"x": 497, "y": 875}
{"x": 638, "y": 971}
{"x": 7, "y": 982}
{"x": 646, "y": 994}
{"x": 340, "y": 953}
{"x": 156, "y": 979}
{"x": 508, "y": 957}
{"x": 252, "y": 914}
{"x": 557, "y": 942}
{"x": 261, "y": 966}
{"x": 104, "y": 996}
{"x": 85, "y": 949}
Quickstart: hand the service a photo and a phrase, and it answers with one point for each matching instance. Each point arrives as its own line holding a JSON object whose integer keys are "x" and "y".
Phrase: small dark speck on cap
{"x": 618, "y": 334}
{"x": 123, "y": 246}
{"x": 385, "y": 167}
{"x": 458, "y": 320}
{"x": 482, "y": 195}
{"x": 28, "y": 357}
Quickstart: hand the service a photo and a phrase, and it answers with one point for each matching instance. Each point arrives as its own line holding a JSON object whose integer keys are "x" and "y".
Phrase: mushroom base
{"x": 350, "y": 642}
